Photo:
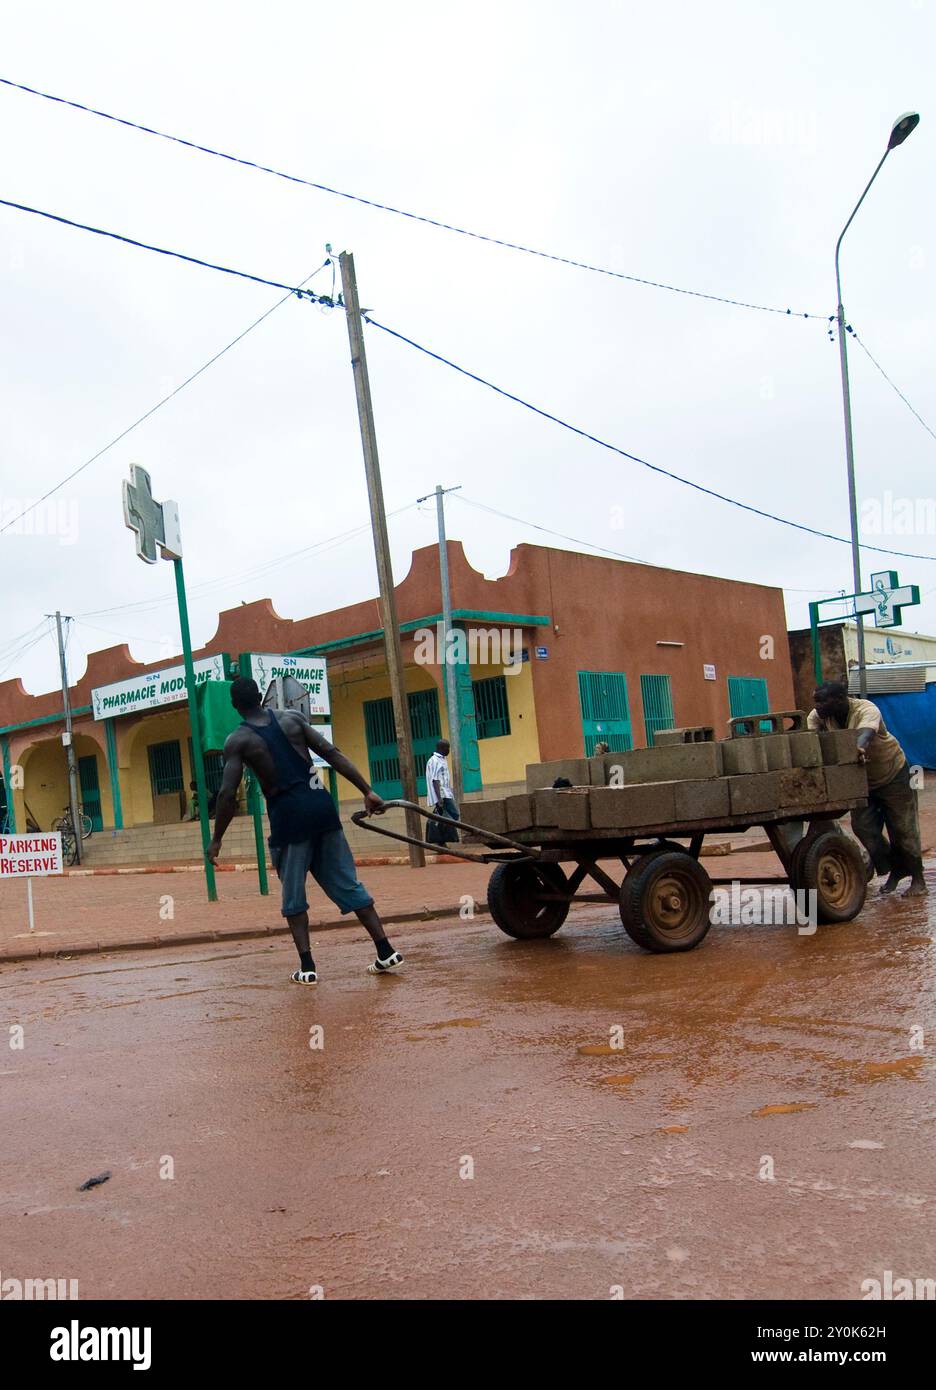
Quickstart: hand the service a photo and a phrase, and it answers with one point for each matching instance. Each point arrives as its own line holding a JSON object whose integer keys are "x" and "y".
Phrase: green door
{"x": 383, "y": 755}
{"x": 90, "y": 790}
{"x": 165, "y": 764}
{"x": 657, "y": 698}
{"x": 747, "y": 695}
{"x": 605, "y": 712}
{"x": 214, "y": 769}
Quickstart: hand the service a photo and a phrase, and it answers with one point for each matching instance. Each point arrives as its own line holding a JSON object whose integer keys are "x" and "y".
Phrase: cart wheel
{"x": 832, "y": 866}
{"x": 512, "y": 899}
{"x": 665, "y": 901}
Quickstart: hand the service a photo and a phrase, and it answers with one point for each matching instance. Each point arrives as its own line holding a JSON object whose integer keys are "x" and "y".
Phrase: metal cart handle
{"x": 364, "y": 819}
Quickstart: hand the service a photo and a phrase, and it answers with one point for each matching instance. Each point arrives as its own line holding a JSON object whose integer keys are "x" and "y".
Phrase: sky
{"x": 718, "y": 148}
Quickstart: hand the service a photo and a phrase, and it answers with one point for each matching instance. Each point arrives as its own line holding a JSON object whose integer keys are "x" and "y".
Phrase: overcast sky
{"x": 717, "y": 147}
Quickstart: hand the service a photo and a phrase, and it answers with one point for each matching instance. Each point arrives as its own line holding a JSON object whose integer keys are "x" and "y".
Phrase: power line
{"x": 26, "y": 647}
{"x": 159, "y": 404}
{"x": 891, "y": 384}
{"x": 522, "y": 521}
{"x": 653, "y": 467}
{"x": 161, "y": 251}
{"x": 400, "y": 212}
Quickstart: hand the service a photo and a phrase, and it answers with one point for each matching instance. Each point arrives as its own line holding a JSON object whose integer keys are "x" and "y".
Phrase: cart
{"x": 664, "y": 894}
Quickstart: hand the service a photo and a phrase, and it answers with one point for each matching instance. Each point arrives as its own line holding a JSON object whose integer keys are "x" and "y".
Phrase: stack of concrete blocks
{"x": 761, "y": 771}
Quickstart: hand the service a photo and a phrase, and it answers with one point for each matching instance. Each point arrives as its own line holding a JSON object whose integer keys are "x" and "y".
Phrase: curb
{"x": 209, "y": 938}
{"x": 372, "y": 861}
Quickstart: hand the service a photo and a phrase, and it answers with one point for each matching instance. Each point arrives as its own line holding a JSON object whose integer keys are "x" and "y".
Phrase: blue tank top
{"x": 299, "y": 810}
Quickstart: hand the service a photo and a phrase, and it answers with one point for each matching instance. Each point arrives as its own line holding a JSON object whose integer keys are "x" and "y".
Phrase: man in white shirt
{"x": 439, "y": 793}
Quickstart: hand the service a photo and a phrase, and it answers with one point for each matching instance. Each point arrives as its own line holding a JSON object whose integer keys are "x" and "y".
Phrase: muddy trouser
{"x": 893, "y": 808}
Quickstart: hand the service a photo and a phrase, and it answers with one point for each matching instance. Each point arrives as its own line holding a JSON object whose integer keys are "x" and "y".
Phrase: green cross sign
{"x": 887, "y": 598}
{"x": 143, "y": 514}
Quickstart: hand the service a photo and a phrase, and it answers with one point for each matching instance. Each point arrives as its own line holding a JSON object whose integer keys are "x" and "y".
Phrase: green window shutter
{"x": 491, "y": 708}
{"x": 383, "y": 755}
{"x": 214, "y": 769}
{"x": 165, "y": 762}
{"x": 657, "y": 699}
{"x": 605, "y": 711}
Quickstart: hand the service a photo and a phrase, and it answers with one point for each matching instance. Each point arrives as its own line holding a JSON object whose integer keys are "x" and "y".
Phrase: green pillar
{"x": 814, "y": 635}
{"x": 468, "y": 721}
{"x": 255, "y": 807}
{"x": 195, "y": 721}
{"x": 110, "y": 741}
{"x": 7, "y": 787}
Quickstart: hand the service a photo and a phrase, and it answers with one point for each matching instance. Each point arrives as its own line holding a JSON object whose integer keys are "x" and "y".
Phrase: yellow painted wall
{"x": 45, "y": 782}
{"x": 505, "y": 759}
{"x": 133, "y": 741}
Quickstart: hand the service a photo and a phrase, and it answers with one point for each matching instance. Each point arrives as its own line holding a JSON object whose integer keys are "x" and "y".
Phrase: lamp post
{"x": 903, "y": 126}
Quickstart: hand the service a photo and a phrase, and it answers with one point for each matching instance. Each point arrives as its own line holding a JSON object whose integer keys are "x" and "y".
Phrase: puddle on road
{"x": 620, "y": 1079}
{"x": 597, "y": 1050}
{"x": 675, "y": 1129}
{"x": 903, "y": 1066}
{"x": 457, "y": 1023}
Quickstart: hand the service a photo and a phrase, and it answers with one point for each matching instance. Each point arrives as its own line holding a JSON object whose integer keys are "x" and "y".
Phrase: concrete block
{"x": 802, "y": 786}
{"x": 621, "y": 808}
{"x": 778, "y": 751}
{"x": 672, "y": 762}
{"x": 596, "y": 772}
{"x": 702, "y": 800}
{"x": 540, "y": 776}
{"x": 743, "y": 756}
{"x": 489, "y": 814}
{"x": 755, "y": 793}
{"x": 805, "y": 749}
{"x": 839, "y": 746}
{"x": 519, "y": 811}
{"x": 695, "y": 733}
{"x": 845, "y": 781}
{"x": 563, "y": 809}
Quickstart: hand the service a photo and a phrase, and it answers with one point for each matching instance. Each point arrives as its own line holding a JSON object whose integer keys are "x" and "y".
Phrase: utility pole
{"x": 73, "y": 799}
{"x": 388, "y": 611}
{"x": 449, "y": 667}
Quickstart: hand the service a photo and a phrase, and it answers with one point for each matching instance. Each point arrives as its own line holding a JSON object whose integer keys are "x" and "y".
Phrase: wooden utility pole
{"x": 74, "y": 800}
{"x": 387, "y": 600}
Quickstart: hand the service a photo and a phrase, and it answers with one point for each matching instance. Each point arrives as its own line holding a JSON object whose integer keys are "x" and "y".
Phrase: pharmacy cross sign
{"x": 155, "y": 523}
{"x": 886, "y": 599}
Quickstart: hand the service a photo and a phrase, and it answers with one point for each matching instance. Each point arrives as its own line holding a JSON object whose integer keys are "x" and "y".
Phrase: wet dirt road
{"x": 766, "y": 1130}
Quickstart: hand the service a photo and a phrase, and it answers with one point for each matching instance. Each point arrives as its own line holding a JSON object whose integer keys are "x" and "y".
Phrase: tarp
{"x": 218, "y": 716}
{"x": 911, "y": 718}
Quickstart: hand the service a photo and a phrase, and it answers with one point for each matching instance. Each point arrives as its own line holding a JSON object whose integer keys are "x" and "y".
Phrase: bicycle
{"x": 69, "y": 842}
{"x": 64, "y": 822}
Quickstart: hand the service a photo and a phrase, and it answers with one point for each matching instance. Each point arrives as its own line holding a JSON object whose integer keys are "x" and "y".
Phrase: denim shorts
{"x": 329, "y": 860}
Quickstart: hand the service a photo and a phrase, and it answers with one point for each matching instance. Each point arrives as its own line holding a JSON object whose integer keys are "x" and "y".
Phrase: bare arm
{"x": 226, "y": 804}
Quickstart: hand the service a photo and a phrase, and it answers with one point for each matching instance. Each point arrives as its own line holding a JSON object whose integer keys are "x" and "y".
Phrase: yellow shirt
{"x": 884, "y": 754}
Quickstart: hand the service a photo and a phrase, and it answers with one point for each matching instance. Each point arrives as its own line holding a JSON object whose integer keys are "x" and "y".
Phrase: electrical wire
{"x": 400, "y": 212}
{"x": 644, "y": 463}
{"x": 27, "y": 647}
{"x": 159, "y": 404}
{"x": 894, "y": 387}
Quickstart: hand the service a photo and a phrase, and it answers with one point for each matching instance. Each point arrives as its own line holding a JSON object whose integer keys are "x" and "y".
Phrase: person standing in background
{"x": 440, "y": 795}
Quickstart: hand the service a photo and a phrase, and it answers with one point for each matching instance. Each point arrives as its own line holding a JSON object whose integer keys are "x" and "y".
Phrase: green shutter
{"x": 90, "y": 790}
{"x": 165, "y": 762}
{"x": 214, "y": 769}
{"x": 605, "y": 711}
{"x": 748, "y": 695}
{"x": 657, "y": 699}
{"x": 492, "y": 710}
{"x": 382, "y": 753}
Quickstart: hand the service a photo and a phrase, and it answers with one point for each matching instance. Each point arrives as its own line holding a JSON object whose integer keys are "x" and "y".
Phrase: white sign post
{"x": 29, "y": 857}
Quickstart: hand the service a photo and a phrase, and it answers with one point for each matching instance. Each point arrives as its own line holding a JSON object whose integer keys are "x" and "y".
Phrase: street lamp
{"x": 903, "y": 126}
